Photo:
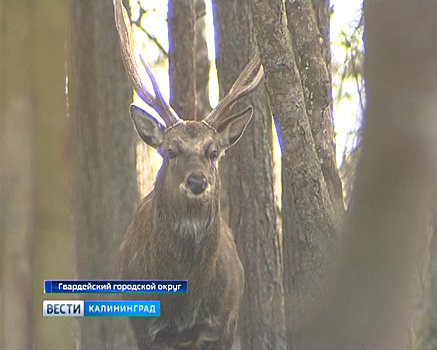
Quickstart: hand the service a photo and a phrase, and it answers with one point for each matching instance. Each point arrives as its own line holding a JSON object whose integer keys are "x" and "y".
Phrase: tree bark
{"x": 322, "y": 11}
{"x": 106, "y": 193}
{"x": 311, "y": 221}
{"x": 247, "y": 175}
{"x": 309, "y": 45}
{"x": 182, "y": 57}
{"x": 202, "y": 62}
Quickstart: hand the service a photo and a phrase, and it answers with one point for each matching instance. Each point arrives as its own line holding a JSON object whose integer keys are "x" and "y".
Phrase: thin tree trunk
{"x": 322, "y": 11}
{"x": 311, "y": 221}
{"x": 182, "y": 57}
{"x": 202, "y": 62}
{"x": 309, "y": 45}
{"x": 106, "y": 192}
{"x": 247, "y": 175}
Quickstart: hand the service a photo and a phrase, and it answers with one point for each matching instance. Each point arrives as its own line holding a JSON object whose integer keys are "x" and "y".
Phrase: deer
{"x": 178, "y": 232}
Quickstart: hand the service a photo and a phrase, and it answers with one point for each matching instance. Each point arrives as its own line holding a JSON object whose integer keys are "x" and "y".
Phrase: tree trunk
{"x": 425, "y": 324}
{"x": 182, "y": 58}
{"x": 309, "y": 45}
{"x": 311, "y": 221}
{"x": 106, "y": 193}
{"x": 430, "y": 339}
{"x": 202, "y": 62}
{"x": 322, "y": 12}
{"x": 17, "y": 200}
{"x": 247, "y": 176}
{"x": 395, "y": 179}
{"x": 36, "y": 241}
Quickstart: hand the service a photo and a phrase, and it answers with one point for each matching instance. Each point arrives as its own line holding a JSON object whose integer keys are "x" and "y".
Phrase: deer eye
{"x": 214, "y": 155}
{"x": 171, "y": 153}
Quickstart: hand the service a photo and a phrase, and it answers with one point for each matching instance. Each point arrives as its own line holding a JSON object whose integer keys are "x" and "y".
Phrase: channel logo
{"x": 63, "y": 308}
{"x": 102, "y": 308}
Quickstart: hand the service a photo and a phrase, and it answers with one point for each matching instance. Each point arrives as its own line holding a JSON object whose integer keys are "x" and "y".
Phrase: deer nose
{"x": 197, "y": 183}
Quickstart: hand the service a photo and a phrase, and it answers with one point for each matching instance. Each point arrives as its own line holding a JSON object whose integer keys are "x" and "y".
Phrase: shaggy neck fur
{"x": 191, "y": 225}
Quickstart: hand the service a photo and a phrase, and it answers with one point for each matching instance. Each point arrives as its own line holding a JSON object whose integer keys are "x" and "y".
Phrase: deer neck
{"x": 190, "y": 225}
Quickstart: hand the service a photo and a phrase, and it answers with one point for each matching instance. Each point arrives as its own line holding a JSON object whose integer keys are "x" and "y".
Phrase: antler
{"x": 246, "y": 82}
{"x": 157, "y": 102}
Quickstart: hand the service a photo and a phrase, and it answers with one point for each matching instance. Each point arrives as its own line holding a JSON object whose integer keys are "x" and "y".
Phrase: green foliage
{"x": 348, "y": 84}
{"x": 351, "y": 69}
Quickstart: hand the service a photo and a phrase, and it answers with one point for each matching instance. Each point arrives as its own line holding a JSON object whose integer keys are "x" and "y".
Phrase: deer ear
{"x": 231, "y": 129}
{"x": 149, "y": 129}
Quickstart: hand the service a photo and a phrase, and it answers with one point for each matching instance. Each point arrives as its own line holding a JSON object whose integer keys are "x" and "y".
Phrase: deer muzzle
{"x": 196, "y": 182}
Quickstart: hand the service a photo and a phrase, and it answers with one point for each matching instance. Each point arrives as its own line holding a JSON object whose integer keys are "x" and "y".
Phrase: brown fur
{"x": 176, "y": 237}
{"x": 178, "y": 231}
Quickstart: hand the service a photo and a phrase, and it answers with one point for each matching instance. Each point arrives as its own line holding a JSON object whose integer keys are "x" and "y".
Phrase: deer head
{"x": 189, "y": 148}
